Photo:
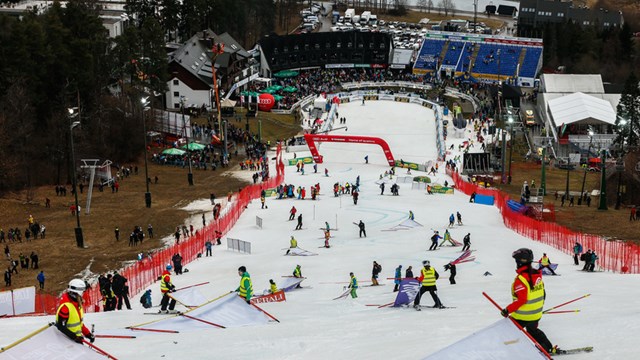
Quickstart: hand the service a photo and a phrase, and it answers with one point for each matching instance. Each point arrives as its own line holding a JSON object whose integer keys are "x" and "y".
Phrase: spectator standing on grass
{"x": 7, "y": 277}
{"x": 41, "y": 279}
{"x": 117, "y": 233}
{"x": 632, "y": 215}
{"x": 150, "y": 231}
{"x": 34, "y": 260}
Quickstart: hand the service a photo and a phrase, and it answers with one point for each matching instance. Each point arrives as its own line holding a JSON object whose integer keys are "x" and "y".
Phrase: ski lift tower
{"x": 92, "y": 165}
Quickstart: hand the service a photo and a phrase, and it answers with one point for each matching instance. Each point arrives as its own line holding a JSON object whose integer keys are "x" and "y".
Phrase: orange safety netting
{"x": 618, "y": 256}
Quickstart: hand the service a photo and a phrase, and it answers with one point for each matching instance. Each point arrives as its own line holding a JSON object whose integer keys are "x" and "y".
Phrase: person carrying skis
{"x": 70, "y": 313}
{"x": 428, "y": 278}
{"x": 353, "y": 285}
{"x": 528, "y": 295}
{"x": 545, "y": 263}
{"x": 451, "y": 266}
{"x": 294, "y": 242}
{"x": 434, "y": 241}
{"x": 459, "y": 218}
{"x": 397, "y": 278}
{"x": 467, "y": 242}
{"x": 245, "y": 290}
{"x": 452, "y": 220}
{"x": 377, "y": 268}
{"x": 166, "y": 287}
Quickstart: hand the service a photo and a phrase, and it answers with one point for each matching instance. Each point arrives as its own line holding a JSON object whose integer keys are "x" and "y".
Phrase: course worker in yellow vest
{"x": 70, "y": 313}
{"x": 427, "y": 279}
{"x": 245, "y": 290}
{"x": 528, "y": 298}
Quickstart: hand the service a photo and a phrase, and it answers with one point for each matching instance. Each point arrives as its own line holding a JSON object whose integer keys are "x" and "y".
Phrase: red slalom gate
{"x": 143, "y": 273}
{"x": 617, "y": 256}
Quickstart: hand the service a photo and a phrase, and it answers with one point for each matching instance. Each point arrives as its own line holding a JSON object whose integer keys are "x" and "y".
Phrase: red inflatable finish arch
{"x": 312, "y": 138}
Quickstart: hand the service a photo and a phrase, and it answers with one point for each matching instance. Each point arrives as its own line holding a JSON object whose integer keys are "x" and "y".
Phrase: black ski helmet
{"x": 523, "y": 256}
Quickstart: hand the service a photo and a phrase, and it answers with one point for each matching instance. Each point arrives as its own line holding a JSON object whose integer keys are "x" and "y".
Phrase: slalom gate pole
{"x": 562, "y": 312}
{"x": 204, "y": 321}
{"x": 98, "y": 350}
{"x": 115, "y": 336}
{"x": 29, "y": 336}
{"x": 208, "y": 302}
{"x": 190, "y": 286}
{"x": 566, "y": 303}
{"x": 519, "y": 327}
{"x": 134, "y": 327}
{"x": 385, "y": 305}
{"x": 266, "y": 313}
{"x": 154, "y": 330}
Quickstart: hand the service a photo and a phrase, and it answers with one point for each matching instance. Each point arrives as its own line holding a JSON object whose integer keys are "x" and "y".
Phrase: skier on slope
{"x": 327, "y": 236}
{"x": 459, "y": 218}
{"x": 377, "y": 268}
{"x": 452, "y": 267}
{"x": 299, "y": 226}
{"x": 292, "y": 213}
{"x": 434, "y": 241}
{"x": 397, "y": 278}
{"x": 362, "y": 229}
{"x": 428, "y": 278}
{"x": 452, "y": 220}
{"x": 447, "y": 237}
{"x": 467, "y": 242}
{"x": 528, "y": 295}
{"x": 545, "y": 263}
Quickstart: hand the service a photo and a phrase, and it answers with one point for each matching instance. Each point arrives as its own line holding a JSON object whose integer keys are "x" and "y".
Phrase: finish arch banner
{"x": 266, "y": 102}
{"x": 312, "y": 138}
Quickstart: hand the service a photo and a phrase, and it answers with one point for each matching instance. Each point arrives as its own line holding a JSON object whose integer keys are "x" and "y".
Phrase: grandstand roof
{"x": 579, "y": 107}
{"x": 570, "y": 83}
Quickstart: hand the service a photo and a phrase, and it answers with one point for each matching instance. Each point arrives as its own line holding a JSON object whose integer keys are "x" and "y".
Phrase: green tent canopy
{"x": 173, "y": 151}
{"x": 194, "y": 146}
{"x": 286, "y": 74}
{"x": 249, "y": 93}
{"x": 277, "y": 97}
{"x": 290, "y": 89}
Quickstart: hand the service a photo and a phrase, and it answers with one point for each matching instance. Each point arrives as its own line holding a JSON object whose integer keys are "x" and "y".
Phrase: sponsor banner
{"x": 275, "y": 297}
{"x": 305, "y": 160}
{"x": 406, "y": 164}
{"x": 371, "y": 97}
{"x": 386, "y": 97}
{"x": 422, "y": 179}
{"x": 362, "y": 65}
{"x": 270, "y": 192}
{"x": 437, "y": 189}
{"x": 402, "y": 99}
{"x": 409, "y": 289}
{"x": 338, "y": 66}
{"x": 397, "y": 66}
{"x": 378, "y": 66}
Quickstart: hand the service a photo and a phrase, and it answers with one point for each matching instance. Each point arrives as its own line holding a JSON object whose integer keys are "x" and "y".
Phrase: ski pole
{"x": 562, "y": 311}
{"x": 568, "y": 302}
{"x": 190, "y": 286}
{"x": 115, "y": 336}
{"x": 519, "y": 326}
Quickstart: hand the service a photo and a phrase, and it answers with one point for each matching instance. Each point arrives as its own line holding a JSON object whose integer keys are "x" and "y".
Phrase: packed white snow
{"x": 313, "y": 326}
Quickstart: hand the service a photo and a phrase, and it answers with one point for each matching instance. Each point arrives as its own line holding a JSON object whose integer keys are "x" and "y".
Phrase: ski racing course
{"x": 314, "y": 326}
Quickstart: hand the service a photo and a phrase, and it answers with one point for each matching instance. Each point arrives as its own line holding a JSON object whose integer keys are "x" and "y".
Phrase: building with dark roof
{"x": 536, "y": 13}
{"x": 190, "y": 68}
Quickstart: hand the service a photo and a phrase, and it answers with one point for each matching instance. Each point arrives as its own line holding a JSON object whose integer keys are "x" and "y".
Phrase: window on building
{"x": 541, "y": 13}
{"x": 176, "y": 82}
{"x": 606, "y": 24}
{"x": 338, "y": 45}
{"x": 560, "y": 14}
{"x": 176, "y": 105}
{"x": 176, "y": 94}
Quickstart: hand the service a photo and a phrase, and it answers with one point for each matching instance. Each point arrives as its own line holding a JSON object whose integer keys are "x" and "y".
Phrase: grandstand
{"x": 485, "y": 57}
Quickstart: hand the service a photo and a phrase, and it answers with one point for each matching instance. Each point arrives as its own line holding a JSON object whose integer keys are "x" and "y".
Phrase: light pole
{"x": 183, "y": 100}
{"x": 603, "y": 182}
{"x": 620, "y": 165}
{"x": 145, "y": 106}
{"x": 73, "y": 113}
{"x": 510, "y": 121}
{"x": 584, "y": 177}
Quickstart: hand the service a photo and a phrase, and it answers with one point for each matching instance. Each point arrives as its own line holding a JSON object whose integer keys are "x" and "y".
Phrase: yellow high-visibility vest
{"x": 532, "y": 309}
{"x": 428, "y": 277}
{"x": 74, "y": 323}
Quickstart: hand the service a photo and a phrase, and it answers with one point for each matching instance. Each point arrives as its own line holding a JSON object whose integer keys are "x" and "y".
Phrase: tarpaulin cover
{"x": 483, "y": 199}
{"x": 189, "y": 297}
{"x": 408, "y": 291}
{"x": 18, "y": 301}
{"x": 50, "y": 344}
{"x": 546, "y": 271}
{"x": 515, "y": 206}
{"x": 289, "y": 283}
{"x": 500, "y": 341}
{"x": 299, "y": 252}
{"x": 228, "y": 311}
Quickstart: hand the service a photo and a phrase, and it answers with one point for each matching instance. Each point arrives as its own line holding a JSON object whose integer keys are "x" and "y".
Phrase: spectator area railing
{"x": 613, "y": 255}
{"x": 145, "y": 272}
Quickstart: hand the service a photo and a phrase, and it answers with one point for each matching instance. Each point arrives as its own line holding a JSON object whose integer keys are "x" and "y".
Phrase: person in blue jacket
{"x": 397, "y": 278}
{"x": 40, "y": 278}
{"x": 452, "y": 220}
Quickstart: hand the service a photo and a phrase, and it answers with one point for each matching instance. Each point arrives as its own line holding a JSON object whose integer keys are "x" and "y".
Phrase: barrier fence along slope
{"x": 618, "y": 256}
{"x": 145, "y": 272}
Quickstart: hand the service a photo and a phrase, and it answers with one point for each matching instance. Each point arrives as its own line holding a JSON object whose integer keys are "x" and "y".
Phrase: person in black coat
{"x": 451, "y": 267}
{"x": 118, "y": 284}
{"x": 409, "y": 273}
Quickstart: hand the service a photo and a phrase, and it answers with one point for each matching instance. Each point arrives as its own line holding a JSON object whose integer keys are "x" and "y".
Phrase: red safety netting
{"x": 143, "y": 273}
{"x": 618, "y": 256}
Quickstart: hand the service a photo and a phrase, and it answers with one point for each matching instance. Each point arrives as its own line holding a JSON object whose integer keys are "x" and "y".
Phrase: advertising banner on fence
{"x": 407, "y": 164}
{"x": 18, "y": 301}
{"x": 437, "y": 189}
